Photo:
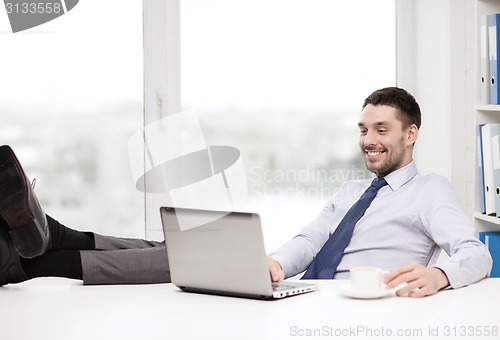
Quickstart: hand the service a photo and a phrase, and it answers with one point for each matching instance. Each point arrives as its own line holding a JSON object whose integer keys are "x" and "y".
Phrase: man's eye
{"x": 382, "y": 131}
{"x": 362, "y": 132}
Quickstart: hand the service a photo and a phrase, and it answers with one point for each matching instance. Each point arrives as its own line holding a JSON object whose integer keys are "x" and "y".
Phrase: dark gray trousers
{"x": 125, "y": 261}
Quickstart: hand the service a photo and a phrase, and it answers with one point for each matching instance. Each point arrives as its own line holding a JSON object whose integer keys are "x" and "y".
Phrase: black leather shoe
{"x": 11, "y": 270}
{"x": 20, "y": 209}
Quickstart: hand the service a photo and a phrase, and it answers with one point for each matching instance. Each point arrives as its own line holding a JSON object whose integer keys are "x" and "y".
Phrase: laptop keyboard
{"x": 280, "y": 286}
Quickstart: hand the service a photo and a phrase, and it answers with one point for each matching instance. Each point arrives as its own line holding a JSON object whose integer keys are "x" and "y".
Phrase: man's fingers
{"x": 413, "y": 288}
{"x": 398, "y": 272}
{"x": 421, "y": 281}
{"x": 275, "y": 270}
{"x": 275, "y": 275}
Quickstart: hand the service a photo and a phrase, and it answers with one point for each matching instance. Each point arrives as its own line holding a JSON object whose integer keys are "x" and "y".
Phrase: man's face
{"x": 384, "y": 144}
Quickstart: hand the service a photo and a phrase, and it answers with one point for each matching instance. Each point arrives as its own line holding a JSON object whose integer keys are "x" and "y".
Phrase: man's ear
{"x": 411, "y": 134}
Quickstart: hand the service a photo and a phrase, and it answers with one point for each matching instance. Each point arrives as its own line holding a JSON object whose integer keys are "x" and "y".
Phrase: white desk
{"x": 64, "y": 309}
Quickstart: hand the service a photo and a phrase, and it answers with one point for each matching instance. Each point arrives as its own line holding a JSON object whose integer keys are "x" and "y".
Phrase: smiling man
{"x": 405, "y": 226}
{"x": 386, "y": 144}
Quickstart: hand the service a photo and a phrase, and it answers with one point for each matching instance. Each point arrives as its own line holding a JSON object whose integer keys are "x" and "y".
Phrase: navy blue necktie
{"x": 328, "y": 258}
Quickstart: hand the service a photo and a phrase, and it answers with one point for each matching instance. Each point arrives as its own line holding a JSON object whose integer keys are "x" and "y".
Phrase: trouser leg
{"x": 99, "y": 259}
{"x": 103, "y": 242}
{"x": 119, "y": 261}
{"x": 63, "y": 237}
{"x": 126, "y": 266}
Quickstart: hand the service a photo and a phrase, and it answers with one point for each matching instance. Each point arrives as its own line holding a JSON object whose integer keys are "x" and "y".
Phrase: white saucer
{"x": 347, "y": 290}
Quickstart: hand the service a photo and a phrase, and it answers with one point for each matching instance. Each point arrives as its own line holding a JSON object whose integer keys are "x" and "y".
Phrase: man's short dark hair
{"x": 400, "y": 99}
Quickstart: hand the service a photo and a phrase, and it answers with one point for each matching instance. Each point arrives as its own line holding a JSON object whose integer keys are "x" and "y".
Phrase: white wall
{"x": 438, "y": 79}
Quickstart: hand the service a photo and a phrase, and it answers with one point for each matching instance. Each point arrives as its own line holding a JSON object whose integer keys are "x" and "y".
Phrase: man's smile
{"x": 374, "y": 154}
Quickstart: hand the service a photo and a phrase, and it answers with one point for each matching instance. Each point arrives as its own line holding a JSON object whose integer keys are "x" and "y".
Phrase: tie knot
{"x": 379, "y": 182}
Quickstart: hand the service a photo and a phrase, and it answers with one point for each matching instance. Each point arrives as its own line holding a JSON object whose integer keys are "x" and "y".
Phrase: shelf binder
{"x": 488, "y": 171}
{"x": 493, "y": 45}
{"x": 495, "y": 153}
{"x": 492, "y": 241}
{"x": 481, "y": 204}
{"x": 484, "y": 62}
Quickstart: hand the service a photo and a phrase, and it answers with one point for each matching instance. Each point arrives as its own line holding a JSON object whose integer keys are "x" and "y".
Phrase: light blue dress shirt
{"x": 410, "y": 219}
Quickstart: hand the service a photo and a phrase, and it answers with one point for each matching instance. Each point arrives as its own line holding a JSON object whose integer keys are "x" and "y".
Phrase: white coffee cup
{"x": 368, "y": 278}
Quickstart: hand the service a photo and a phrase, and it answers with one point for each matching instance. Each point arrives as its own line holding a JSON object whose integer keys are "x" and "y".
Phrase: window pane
{"x": 284, "y": 82}
{"x": 72, "y": 94}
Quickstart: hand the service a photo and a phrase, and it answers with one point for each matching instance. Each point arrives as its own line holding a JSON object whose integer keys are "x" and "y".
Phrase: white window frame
{"x": 161, "y": 83}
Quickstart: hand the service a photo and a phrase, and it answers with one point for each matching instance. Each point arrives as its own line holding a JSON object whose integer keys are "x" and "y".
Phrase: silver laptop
{"x": 221, "y": 253}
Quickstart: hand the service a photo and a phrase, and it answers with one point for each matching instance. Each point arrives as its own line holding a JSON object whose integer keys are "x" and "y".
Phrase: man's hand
{"x": 275, "y": 270}
{"x": 421, "y": 281}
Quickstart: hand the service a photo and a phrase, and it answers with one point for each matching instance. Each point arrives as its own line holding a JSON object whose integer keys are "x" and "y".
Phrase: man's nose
{"x": 370, "y": 138}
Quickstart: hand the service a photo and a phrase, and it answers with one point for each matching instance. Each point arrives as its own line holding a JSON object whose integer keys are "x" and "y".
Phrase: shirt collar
{"x": 398, "y": 178}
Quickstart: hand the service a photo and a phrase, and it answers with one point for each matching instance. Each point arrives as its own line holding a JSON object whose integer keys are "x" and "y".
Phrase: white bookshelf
{"x": 488, "y": 108}
{"x": 483, "y": 113}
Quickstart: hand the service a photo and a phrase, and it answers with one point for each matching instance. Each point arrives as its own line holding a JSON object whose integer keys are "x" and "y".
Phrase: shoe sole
{"x": 26, "y": 233}
{"x": 11, "y": 269}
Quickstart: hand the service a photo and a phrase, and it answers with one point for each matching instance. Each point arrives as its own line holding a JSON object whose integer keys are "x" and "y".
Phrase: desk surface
{"x": 64, "y": 309}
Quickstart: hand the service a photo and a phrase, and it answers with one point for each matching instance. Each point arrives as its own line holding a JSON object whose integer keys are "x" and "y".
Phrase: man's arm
{"x": 445, "y": 222}
{"x": 447, "y": 225}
